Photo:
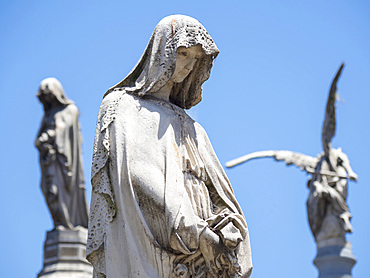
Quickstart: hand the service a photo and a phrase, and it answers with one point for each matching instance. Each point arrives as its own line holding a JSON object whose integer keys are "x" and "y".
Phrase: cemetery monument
{"x": 162, "y": 205}
{"x": 62, "y": 183}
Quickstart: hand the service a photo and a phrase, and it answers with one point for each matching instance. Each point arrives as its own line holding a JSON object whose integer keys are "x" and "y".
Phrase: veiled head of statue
{"x": 157, "y": 64}
{"x": 51, "y": 93}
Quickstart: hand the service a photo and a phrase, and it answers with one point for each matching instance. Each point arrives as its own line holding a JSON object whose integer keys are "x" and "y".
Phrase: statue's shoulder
{"x": 199, "y": 128}
{"x": 72, "y": 108}
{"x": 114, "y": 98}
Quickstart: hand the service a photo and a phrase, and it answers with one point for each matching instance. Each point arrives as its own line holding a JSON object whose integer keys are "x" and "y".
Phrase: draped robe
{"x": 62, "y": 180}
{"x": 157, "y": 184}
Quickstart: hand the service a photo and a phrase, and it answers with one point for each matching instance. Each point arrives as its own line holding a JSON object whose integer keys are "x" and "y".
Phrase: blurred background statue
{"x": 328, "y": 213}
{"x": 59, "y": 143}
{"x": 62, "y": 182}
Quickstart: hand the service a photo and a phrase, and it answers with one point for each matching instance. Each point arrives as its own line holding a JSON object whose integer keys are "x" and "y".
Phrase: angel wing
{"x": 328, "y": 130}
{"x": 304, "y": 162}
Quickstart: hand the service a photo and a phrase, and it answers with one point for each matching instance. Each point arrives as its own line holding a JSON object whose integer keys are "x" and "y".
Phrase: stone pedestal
{"x": 64, "y": 255}
{"x": 334, "y": 259}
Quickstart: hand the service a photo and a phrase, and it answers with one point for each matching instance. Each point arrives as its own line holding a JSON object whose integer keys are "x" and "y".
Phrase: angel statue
{"x": 328, "y": 213}
{"x": 161, "y": 204}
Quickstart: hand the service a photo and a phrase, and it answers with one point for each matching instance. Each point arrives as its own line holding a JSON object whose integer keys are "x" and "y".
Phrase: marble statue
{"x": 328, "y": 213}
{"x": 59, "y": 143}
{"x": 162, "y": 205}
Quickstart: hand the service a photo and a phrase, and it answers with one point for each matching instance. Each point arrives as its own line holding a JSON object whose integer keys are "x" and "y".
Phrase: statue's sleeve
{"x": 221, "y": 184}
{"x": 102, "y": 200}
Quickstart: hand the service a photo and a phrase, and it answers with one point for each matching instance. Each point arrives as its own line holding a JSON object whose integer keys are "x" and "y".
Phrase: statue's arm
{"x": 45, "y": 139}
{"x": 304, "y": 162}
{"x": 248, "y": 157}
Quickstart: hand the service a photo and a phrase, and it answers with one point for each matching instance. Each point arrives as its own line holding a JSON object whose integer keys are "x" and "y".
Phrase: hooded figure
{"x": 158, "y": 187}
{"x": 59, "y": 142}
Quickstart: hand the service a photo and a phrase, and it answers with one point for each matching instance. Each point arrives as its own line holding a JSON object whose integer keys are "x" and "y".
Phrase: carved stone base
{"x": 334, "y": 258}
{"x": 64, "y": 255}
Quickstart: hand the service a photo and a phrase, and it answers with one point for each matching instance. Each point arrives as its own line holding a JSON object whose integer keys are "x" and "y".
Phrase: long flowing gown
{"x": 62, "y": 180}
{"x": 157, "y": 184}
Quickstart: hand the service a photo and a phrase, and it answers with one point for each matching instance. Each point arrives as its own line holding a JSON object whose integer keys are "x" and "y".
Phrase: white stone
{"x": 162, "y": 205}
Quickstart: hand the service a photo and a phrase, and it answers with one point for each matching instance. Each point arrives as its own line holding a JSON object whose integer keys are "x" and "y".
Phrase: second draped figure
{"x": 162, "y": 205}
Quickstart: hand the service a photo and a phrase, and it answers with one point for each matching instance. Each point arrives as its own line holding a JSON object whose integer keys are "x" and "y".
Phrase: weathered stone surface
{"x": 65, "y": 254}
{"x": 162, "y": 205}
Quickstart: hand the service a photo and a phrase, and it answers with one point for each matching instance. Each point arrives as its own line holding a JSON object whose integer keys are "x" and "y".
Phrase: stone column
{"x": 64, "y": 254}
{"x": 334, "y": 258}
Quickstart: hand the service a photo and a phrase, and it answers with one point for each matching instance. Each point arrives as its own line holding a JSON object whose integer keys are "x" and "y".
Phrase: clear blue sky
{"x": 267, "y": 90}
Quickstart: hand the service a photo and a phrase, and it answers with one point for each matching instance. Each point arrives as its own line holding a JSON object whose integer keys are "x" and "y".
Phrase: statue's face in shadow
{"x": 185, "y": 61}
{"x": 47, "y": 94}
{"x": 47, "y": 97}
